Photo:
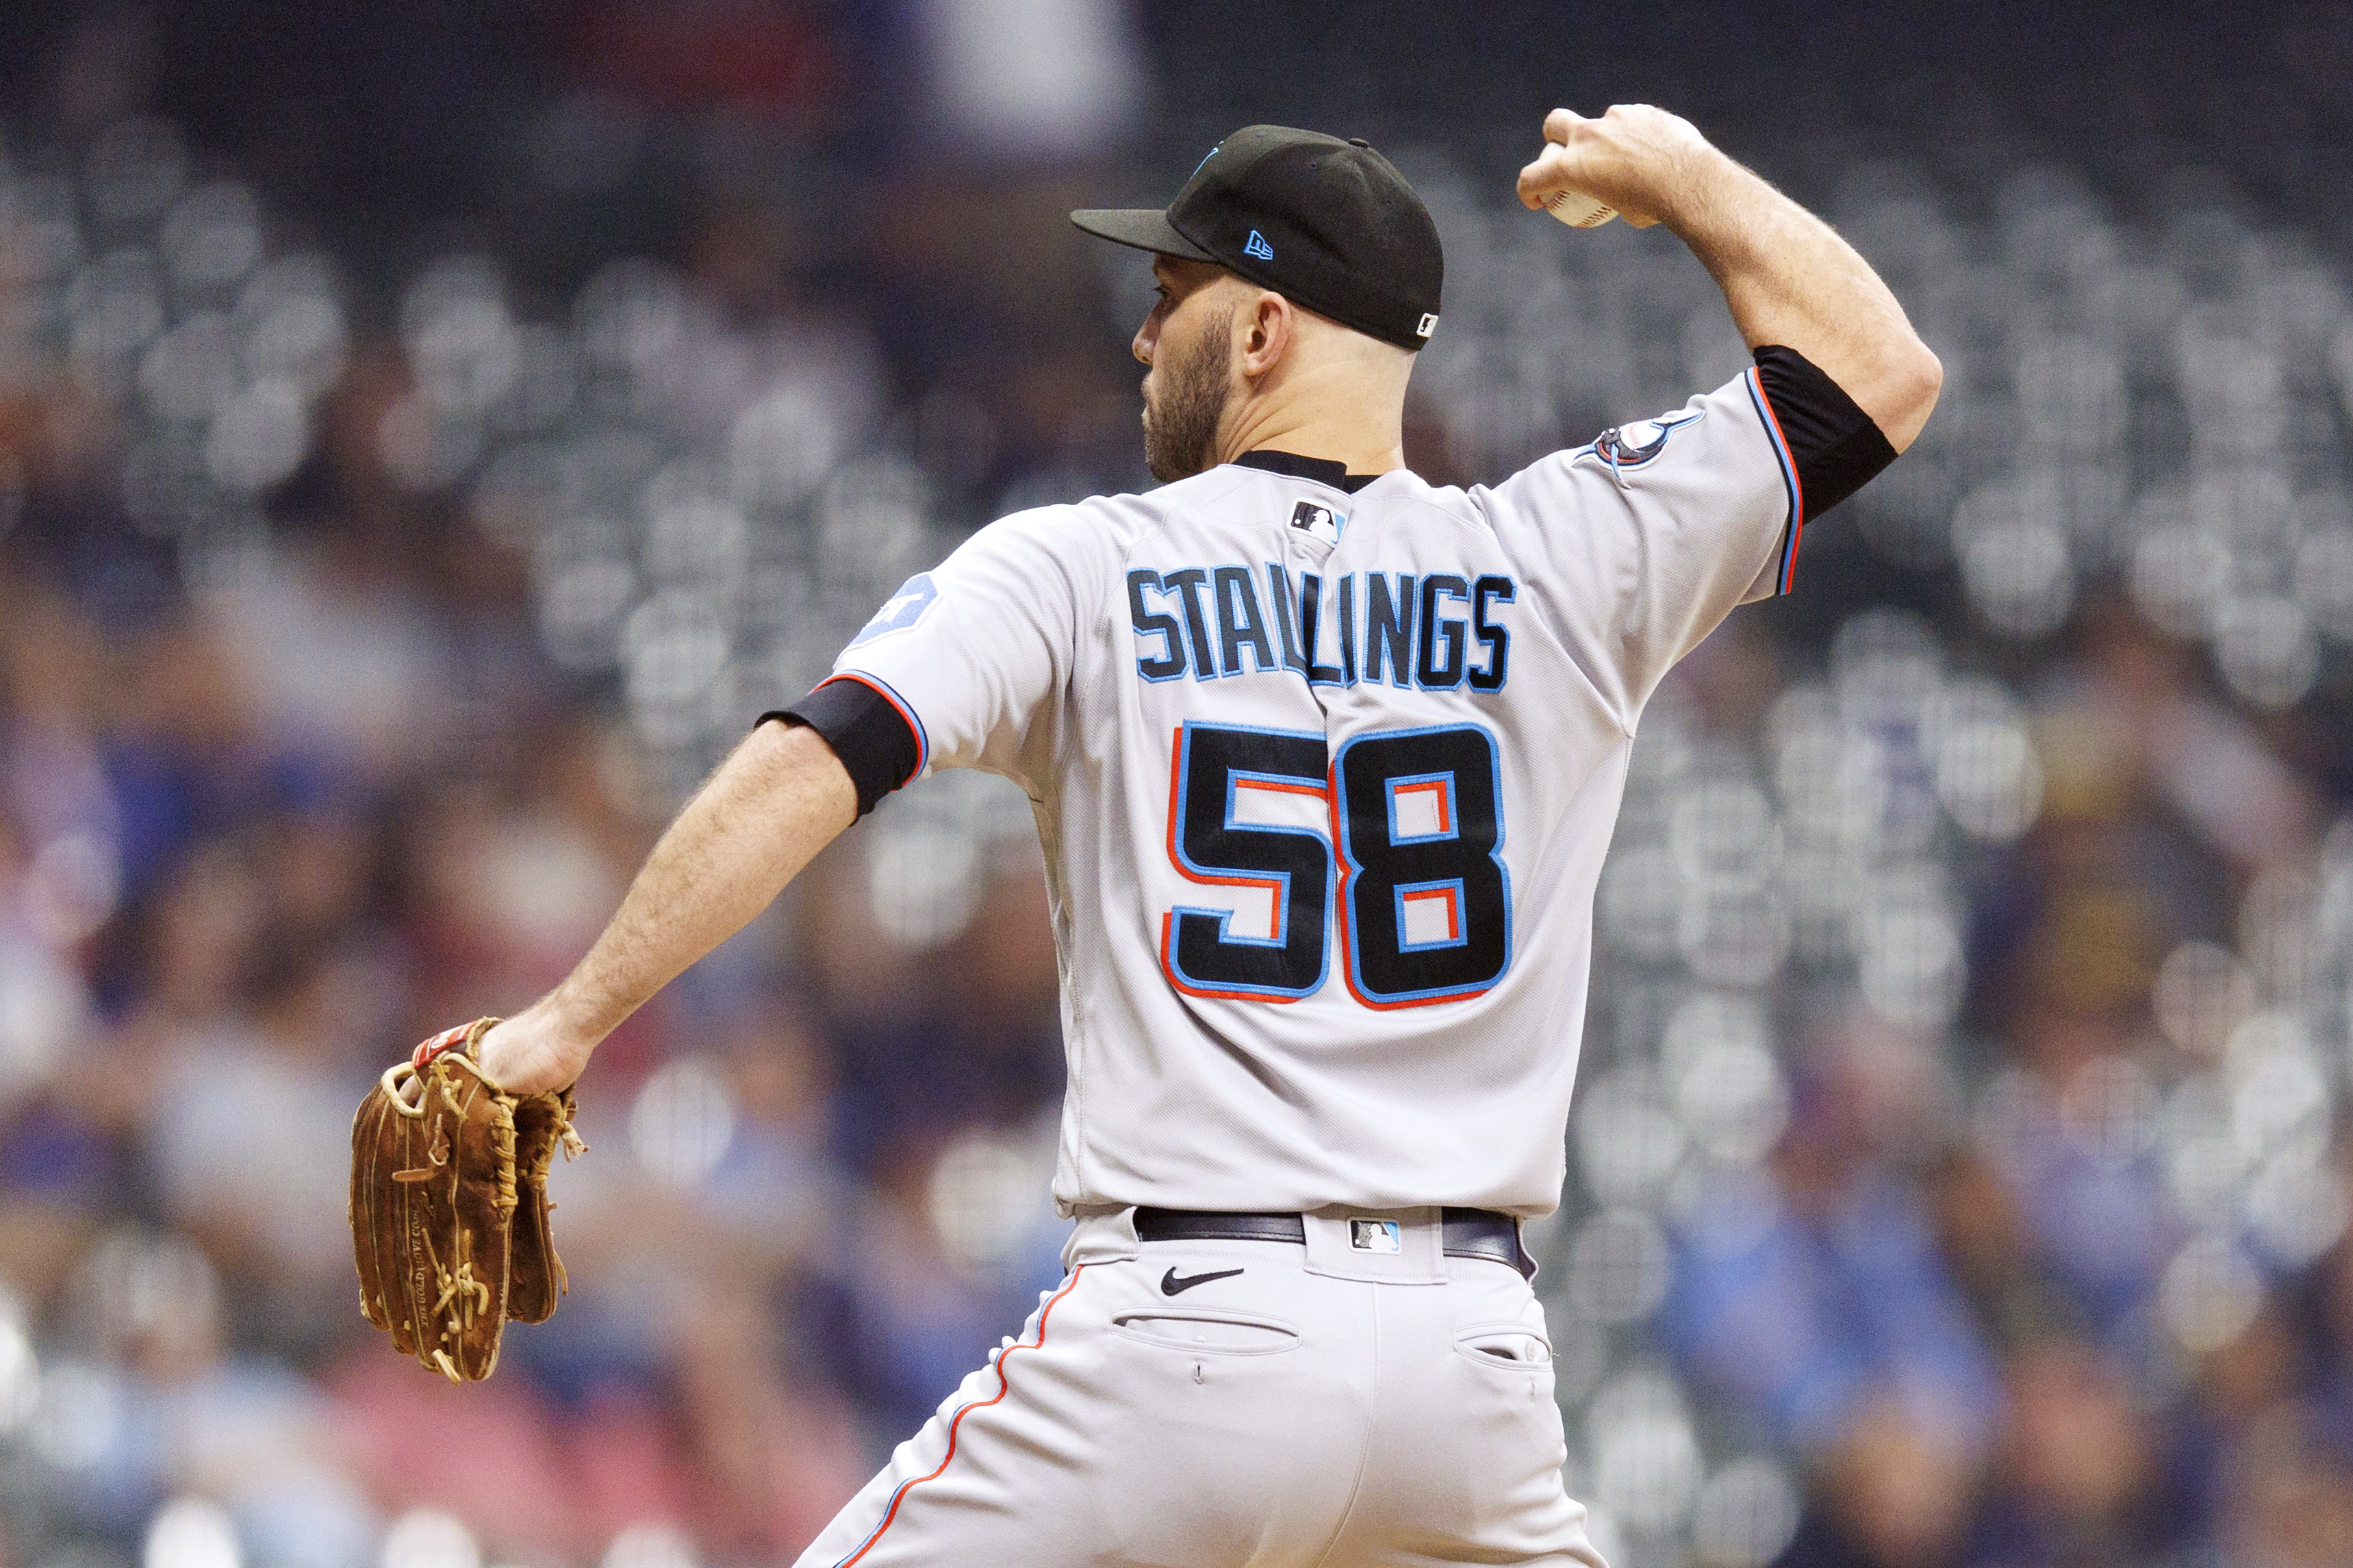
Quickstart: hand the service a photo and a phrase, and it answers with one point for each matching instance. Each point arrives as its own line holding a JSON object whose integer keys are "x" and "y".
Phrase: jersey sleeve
{"x": 1645, "y": 539}
{"x": 964, "y": 666}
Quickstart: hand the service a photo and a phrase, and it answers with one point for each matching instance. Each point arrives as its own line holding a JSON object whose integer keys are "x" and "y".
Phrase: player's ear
{"x": 1265, "y": 333}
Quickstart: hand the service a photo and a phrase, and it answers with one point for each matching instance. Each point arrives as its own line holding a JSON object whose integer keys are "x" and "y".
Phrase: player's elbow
{"x": 1909, "y": 383}
{"x": 1926, "y": 374}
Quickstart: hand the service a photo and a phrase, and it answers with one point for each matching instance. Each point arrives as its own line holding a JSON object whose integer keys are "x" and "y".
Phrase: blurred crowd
{"x": 1957, "y": 1172}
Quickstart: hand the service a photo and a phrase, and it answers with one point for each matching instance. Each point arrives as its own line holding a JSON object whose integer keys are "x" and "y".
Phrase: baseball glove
{"x": 450, "y": 1204}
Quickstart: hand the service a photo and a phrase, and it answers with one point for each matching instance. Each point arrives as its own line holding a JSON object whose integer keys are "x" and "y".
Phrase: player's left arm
{"x": 1790, "y": 279}
{"x": 781, "y": 797}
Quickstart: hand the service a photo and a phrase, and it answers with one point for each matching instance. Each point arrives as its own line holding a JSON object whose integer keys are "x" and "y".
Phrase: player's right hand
{"x": 531, "y": 1052}
{"x": 1635, "y": 158}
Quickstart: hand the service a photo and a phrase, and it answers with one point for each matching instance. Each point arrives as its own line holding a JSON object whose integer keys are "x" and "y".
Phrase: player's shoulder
{"x": 1206, "y": 497}
{"x": 1072, "y": 533}
{"x": 1081, "y": 546}
{"x": 1110, "y": 519}
{"x": 1404, "y": 490}
{"x": 1107, "y": 529}
{"x": 1712, "y": 430}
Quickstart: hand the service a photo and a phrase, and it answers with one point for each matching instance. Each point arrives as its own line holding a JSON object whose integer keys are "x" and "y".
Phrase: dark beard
{"x": 1180, "y": 426}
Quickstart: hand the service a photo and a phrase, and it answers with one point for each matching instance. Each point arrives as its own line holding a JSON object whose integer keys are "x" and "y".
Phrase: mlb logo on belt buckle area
{"x": 1374, "y": 1234}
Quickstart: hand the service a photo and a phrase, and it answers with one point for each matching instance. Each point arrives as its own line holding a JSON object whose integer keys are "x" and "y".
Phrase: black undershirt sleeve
{"x": 871, "y": 738}
{"x": 1836, "y": 446}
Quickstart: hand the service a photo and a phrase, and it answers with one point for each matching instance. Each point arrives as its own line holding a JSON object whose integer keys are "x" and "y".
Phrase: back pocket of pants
{"x": 1512, "y": 1346}
{"x": 1217, "y": 1333}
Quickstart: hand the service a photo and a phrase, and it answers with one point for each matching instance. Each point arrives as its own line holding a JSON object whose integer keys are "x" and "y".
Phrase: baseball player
{"x": 1325, "y": 759}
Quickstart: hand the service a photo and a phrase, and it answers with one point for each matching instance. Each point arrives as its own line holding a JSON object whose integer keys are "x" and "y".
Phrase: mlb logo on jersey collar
{"x": 1320, "y": 520}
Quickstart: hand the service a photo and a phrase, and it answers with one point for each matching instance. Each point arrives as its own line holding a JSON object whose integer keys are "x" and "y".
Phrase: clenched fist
{"x": 532, "y": 1053}
{"x": 1635, "y": 158}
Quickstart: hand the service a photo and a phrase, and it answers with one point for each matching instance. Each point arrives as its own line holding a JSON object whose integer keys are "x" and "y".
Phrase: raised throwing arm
{"x": 780, "y": 798}
{"x": 1788, "y": 276}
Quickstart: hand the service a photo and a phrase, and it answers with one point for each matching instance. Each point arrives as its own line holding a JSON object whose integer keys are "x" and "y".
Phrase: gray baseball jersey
{"x": 1324, "y": 778}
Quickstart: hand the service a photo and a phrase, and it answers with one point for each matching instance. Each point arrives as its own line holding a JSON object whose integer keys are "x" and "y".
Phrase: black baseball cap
{"x": 1328, "y": 223}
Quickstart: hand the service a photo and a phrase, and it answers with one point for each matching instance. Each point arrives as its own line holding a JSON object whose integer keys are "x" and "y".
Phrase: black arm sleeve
{"x": 1837, "y": 447}
{"x": 866, "y": 730}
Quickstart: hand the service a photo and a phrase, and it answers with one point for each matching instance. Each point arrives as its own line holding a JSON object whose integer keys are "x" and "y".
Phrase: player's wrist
{"x": 1690, "y": 190}
{"x": 536, "y": 1049}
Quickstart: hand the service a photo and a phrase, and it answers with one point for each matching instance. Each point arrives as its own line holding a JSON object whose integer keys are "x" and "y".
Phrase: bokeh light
{"x": 683, "y": 1123}
{"x": 429, "y": 1538}
{"x": 190, "y": 1533}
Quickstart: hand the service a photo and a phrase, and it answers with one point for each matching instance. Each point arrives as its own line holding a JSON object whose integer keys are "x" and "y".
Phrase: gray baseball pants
{"x": 1282, "y": 1407}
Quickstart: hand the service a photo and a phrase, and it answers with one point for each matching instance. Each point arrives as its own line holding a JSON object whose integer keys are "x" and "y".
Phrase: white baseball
{"x": 1578, "y": 210}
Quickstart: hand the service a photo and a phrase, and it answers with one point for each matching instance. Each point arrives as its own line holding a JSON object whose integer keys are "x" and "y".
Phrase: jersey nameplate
{"x": 1434, "y": 632}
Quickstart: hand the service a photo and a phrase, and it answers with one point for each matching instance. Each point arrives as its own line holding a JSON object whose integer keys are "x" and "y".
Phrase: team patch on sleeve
{"x": 911, "y": 604}
{"x": 1624, "y": 446}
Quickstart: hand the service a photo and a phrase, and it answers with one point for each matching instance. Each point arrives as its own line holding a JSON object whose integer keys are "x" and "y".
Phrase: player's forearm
{"x": 778, "y": 799}
{"x": 1791, "y": 280}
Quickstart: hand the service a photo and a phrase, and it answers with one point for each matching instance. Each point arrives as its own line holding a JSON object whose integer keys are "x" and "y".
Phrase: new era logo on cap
{"x": 1428, "y": 324}
{"x": 1256, "y": 244}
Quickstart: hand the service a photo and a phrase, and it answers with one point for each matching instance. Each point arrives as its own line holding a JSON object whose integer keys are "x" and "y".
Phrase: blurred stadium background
{"x": 429, "y": 434}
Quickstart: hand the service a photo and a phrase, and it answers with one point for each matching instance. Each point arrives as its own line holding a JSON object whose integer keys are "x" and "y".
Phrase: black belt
{"x": 1469, "y": 1233}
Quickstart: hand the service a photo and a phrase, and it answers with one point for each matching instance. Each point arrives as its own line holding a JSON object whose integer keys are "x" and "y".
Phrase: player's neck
{"x": 1318, "y": 416}
{"x": 1358, "y": 450}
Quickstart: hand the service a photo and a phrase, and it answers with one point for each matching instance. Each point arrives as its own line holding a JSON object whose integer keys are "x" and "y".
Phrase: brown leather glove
{"x": 448, "y": 1206}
